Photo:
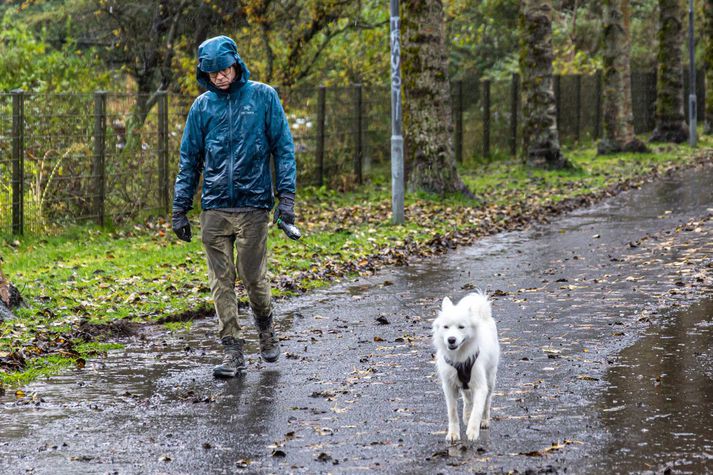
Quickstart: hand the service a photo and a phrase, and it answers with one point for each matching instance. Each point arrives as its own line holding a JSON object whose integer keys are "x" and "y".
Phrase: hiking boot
{"x": 269, "y": 345}
{"x": 233, "y": 360}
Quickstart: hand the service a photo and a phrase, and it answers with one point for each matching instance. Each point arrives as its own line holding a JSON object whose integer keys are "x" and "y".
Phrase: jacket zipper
{"x": 231, "y": 188}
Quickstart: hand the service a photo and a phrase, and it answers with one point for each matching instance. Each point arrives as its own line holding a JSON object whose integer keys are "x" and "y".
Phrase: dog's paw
{"x": 485, "y": 423}
{"x": 452, "y": 437}
{"x": 472, "y": 434}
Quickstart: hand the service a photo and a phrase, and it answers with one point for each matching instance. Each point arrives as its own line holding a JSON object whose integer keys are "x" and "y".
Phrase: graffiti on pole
{"x": 397, "y": 141}
{"x": 396, "y": 73}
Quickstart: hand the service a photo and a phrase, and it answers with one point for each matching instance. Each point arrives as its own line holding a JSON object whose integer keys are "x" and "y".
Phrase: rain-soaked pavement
{"x": 606, "y": 325}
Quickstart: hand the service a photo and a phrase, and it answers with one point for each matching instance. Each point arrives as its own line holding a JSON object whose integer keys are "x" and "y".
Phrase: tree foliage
{"x": 311, "y": 42}
{"x": 29, "y": 62}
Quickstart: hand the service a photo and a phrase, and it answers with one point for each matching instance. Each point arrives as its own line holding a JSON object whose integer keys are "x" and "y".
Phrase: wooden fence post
{"x": 358, "y": 150}
{"x": 514, "y": 111}
{"x": 163, "y": 193}
{"x": 18, "y": 161}
{"x": 486, "y": 117}
{"x": 321, "y": 107}
{"x": 98, "y": 167}
{"x": 458, "y": 119}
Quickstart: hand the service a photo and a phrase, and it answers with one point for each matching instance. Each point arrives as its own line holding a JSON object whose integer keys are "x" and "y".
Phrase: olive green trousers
{"x": 236, "y": 241}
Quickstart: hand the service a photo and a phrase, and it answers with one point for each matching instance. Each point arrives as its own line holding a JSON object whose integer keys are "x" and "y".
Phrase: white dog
{"x": 467, "y": 355}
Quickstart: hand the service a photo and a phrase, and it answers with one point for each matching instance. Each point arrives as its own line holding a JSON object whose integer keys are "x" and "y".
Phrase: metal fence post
{"x": 18, "y": 161}
{"x": 458, "y": 118}
{"x": 321, "y": 107}
{"x": 98, "y": 167}
{"x": 486, "y": 117}
{"x": 358, "y": 146}
{"x": 397, "y": 140}
{"x": 163, "y": 152}
{"x": 598, "y": 85}
{"x": 514, "y": 111}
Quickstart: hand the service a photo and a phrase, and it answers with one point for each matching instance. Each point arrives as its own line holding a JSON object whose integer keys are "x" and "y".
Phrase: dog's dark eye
{"x": 461, "y": 327}
{"x": 445, "y": 326}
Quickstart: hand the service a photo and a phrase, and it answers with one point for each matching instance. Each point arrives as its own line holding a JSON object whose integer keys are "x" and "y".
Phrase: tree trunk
{"x": 428, "y": 126}
{"x": 540, "y": 136}
{"x": 708, "y": 62}
{"x": 670, "y": 125}
{"x": 618, "y": 114}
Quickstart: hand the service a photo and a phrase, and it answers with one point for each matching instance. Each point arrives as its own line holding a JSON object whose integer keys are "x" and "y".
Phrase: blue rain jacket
{"x": 230, "y": 136}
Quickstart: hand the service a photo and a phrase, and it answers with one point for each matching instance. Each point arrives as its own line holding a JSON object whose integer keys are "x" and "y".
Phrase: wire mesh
{"x": 178, "y": 107}
{"x": 500, "y": 117}
{"x": 377, "y": 127}
{"x": 6, "y": 136}
{"x": 472, "y": 117}
{"x": 643, "y": 100}
{"x": 131, "y": 158}
{"x": 590, "y": 109}
{"x": 301, "y": 110}
{"x": 58, "y": 176}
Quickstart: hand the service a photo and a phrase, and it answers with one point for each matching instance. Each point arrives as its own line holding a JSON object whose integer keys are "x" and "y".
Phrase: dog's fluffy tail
{"x": 478, "y": 304}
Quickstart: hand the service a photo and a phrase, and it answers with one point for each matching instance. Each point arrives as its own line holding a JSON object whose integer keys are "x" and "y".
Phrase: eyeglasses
{"x": 226, "y": 73}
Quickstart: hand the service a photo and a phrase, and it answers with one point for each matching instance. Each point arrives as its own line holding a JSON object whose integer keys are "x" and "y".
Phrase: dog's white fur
{"x": 460, "y": 332}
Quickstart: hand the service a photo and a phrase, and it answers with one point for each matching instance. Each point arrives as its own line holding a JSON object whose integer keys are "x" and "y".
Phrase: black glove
{"x": 180, "y": 225}
{"x": 286, "y": 209}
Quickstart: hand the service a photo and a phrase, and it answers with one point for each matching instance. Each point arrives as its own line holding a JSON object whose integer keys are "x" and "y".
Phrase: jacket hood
{"x": 216, "y": 54}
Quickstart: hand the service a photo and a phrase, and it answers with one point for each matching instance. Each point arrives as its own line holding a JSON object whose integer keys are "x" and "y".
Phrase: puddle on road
{"x": 659, "y": 406}
{"x": 153, "y": 370}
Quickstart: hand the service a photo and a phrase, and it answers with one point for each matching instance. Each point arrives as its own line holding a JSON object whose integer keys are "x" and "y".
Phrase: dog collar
{"x": 464, "y": 368}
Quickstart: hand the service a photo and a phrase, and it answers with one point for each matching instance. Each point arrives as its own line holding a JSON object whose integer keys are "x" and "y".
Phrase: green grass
{"x": 37, "y": 368}
{"x": 46, "y": 366}
{"x": 143, "y": 273}
{"x": 176, "y": 327}
{"x": 96, "y": 348}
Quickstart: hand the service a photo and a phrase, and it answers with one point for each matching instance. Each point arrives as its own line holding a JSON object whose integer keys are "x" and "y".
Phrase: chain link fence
{"x": 73, "y": 158}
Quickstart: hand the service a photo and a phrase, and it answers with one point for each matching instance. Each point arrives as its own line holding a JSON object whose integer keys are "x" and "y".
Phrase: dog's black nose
{"x": 452, "y": 340}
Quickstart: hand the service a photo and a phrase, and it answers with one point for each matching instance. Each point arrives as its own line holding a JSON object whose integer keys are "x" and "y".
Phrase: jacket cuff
{"x": 286, "y": 195}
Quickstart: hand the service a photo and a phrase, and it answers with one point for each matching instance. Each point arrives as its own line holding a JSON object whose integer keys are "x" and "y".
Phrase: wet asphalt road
{"x": 606, "y": 329}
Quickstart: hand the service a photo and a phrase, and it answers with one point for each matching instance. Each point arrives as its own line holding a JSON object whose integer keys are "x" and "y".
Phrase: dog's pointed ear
{"x": 447, "y": 304}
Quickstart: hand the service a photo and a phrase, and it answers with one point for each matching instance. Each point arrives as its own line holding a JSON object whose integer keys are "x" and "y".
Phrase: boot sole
{"x": 270, "y": 360}
{"x": 224, "y": 373}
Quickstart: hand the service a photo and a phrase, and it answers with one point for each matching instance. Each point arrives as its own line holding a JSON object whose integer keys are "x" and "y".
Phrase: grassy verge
{"x": 87, "y": 277}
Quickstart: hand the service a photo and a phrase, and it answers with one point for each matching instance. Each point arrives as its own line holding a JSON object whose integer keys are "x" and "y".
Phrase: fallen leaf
{"x": 381, "y": 319}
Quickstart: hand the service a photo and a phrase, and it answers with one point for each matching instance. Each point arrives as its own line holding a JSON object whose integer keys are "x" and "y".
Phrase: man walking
{"x": 231, "y": 132}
